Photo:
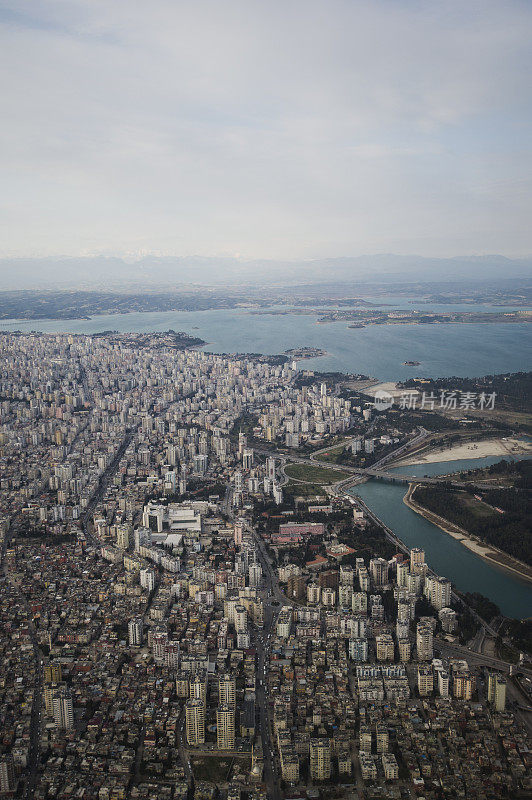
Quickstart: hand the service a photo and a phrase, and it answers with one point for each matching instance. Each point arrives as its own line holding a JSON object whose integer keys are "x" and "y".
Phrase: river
{"x": 443, "y": 553}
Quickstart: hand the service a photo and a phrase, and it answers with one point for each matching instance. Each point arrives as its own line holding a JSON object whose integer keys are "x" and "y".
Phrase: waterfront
{"x": 377, "y": 350}
{"x": 444, "y": 554}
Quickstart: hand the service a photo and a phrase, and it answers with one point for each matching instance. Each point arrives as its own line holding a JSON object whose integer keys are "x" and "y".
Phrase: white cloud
{"x": 279, "y": 129}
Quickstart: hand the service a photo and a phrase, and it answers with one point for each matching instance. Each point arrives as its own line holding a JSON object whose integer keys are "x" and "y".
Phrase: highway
{"x": 183, "y": 754}
{"x": 418, "y": 439}
{"x": 375, "y": 471}
{"x": 103, "y": 482}
{"x": 271, "y": 775}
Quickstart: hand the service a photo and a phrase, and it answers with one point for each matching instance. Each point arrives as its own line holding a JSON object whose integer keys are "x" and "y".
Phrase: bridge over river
{"x": 375, "y": 473}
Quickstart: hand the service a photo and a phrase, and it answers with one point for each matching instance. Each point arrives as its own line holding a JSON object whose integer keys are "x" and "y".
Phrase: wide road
{"x": 372, "y": 472}
{"x": 103, "y": 483}
{"x": 263, "y": 642}
{"x": 271, "y": 774}
{"x": 407, "y": 446}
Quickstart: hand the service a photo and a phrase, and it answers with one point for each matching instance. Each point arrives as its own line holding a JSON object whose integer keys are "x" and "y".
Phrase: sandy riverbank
{"x": 485, "y": 447}
{"x": 492, "y": 554}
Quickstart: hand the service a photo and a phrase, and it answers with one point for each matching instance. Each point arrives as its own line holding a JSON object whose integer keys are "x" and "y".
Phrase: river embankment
{"x": 487, "y": 552}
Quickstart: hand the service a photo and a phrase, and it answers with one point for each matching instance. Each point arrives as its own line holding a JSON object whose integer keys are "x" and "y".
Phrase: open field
{"x": 305, "y": 490}
{"x": 317, "y": 475}
{"x": 331, "y": 454}
{"x": 520, "y": 420}
{"x": 214, "y": 769}
{"x": 478, "y": 508}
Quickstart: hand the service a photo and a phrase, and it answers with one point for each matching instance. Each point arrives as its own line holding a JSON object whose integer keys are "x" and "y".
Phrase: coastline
{"x": 503, "y": 446}
{"x": 489, "y": 553}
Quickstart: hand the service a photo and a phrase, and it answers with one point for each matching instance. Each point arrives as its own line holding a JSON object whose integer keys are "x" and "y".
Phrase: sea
{"x": 379, "y": 351}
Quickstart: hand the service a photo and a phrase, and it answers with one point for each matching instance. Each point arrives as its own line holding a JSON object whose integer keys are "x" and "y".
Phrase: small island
{"x": 300, "y": 353}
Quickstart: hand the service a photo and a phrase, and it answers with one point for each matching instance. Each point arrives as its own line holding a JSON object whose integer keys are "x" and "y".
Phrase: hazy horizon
{"x": 157, "y": 271}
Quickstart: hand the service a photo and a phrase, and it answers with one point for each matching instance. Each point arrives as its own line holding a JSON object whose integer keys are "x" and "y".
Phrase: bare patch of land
{"x": 466, "y": 450}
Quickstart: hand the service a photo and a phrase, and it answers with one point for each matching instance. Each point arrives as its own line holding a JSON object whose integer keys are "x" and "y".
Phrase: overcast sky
{"x": 290, "y": 129}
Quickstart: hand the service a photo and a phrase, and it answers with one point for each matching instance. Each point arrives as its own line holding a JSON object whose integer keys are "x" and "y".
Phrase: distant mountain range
{"x": 152, "y": 271}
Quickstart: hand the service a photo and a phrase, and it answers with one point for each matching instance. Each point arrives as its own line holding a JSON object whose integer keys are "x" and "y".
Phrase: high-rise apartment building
{"x": 328, "y": 597}
{"x": 425, "y": 680}
{"x": 313, "y": 593}
{"x": 225, "y": 727}
{"x": 378, "y": 568}
{"x": 181, "y": 685}
{"x": 463, "y": 684}
{"x": 438, "y": 591}
{"x": 198, "y": 689}
{"x": 241, "y": 619}
{"x": 358, "y": 649}
{"x": 359, "y": 603}
{"x": 385, "y": 647}
{"x": 52, "y": 672}
{"x": 239, "y": 530}
{"x": 255, "y": 574}
{"x": 296, "y": 587}
{"x": 122, "y": 537}
{"x": 134, "y": 632}
{"x": 289, "y": 766}
{"x": 365, "y": 739}
{"x": 247, "y": 458}
{"x": 497, "y": 691}
{"x": 63, "y": 709}
{"x": 8, "y": 781}
{"x": 443, "y": 683}
{"x": 424, "y": 641}
{"x": 320, "y": 759}
{"x": 195, "y": 722}
{"x": 383, "y": 739}
{"x": 405, "y": 649}
{"x": 403, "y": 571}
{"x": 147, "y": 579}
{"x": 227, "y": 690}
{"x": 417, "y": 559}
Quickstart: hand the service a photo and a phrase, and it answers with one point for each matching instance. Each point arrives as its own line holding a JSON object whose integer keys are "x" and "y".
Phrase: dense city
{"x": 178, "y": 621}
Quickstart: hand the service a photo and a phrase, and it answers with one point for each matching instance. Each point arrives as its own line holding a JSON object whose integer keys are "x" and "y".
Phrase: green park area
{"x": 315, "y": 474}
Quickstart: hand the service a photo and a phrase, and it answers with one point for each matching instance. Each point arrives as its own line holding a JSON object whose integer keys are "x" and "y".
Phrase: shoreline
{"x": 502, "y": 446}
{"x": 489, "y": 553}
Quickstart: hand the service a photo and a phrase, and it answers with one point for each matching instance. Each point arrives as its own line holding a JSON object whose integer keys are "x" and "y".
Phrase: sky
{"x": 293, "y": 129}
